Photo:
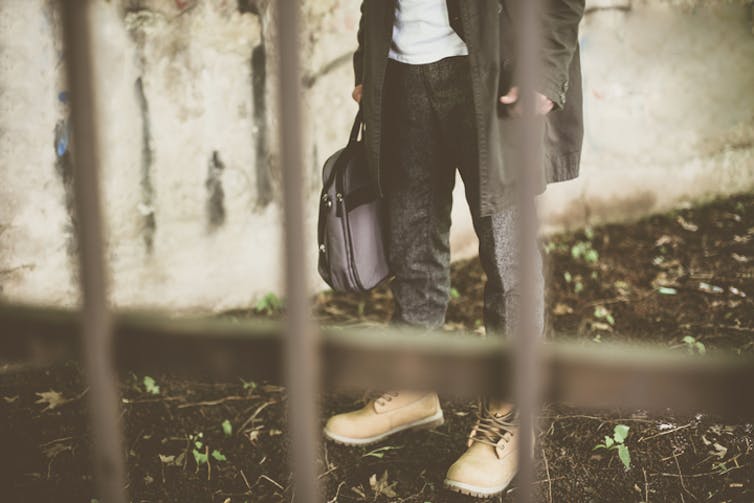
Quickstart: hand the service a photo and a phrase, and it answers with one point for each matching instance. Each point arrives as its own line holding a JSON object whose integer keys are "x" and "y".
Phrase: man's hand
{"x": 542, "y": 106}
{"x": 356, "y": 94}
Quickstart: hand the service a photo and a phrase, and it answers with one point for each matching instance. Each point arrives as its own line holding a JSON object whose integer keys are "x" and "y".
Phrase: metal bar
{"x": 604, "y": 376}
{"x": 301, "y": 352}
{"x": 527, "y": 359}
{"x": 96, "y": 328}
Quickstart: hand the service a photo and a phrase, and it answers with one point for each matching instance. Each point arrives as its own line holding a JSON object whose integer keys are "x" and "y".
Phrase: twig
{"x": 646, "y": 486}
{"x": 549, "y": 480}
{"x": 63, "y": 439}
{"x": 642, "y": 439}
{"x": 697, "y": 475}
{"x": 151, "y": 400}
{"x": 254, "y": 415}
{"x": 245, "y": 480}
{"x": 337, "y": 492}
{"x": 272, "y": 481}
{"x": 215, "y": 402}
{"x": 680, "y": 476}
{"x": 724, "y": 327}
{"x": 597, "y": 418}
{"x": 209, "y": 465}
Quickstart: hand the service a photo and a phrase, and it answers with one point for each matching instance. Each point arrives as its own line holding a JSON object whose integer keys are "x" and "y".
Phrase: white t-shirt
{"x": 422, "y": 33}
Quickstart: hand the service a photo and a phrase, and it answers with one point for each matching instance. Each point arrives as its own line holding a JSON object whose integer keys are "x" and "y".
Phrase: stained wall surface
{"x": 191, "y": 178}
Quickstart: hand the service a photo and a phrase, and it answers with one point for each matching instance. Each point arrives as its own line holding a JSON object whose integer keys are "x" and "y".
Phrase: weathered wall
{"x": 188, "y": 120}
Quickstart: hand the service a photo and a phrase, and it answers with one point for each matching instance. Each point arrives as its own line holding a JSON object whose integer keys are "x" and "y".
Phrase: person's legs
{"x": 489, "y": 464}
{"x": 418, "y": 196}
{"x": 418, "y": 191}
{"x": 499, "y": 256}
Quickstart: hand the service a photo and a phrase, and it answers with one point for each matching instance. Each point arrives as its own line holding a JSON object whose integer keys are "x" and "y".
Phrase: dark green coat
{"x": 492, "y": 73}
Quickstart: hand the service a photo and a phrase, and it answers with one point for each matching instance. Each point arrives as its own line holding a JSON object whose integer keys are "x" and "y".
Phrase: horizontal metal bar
{"x": 604, "y": 376}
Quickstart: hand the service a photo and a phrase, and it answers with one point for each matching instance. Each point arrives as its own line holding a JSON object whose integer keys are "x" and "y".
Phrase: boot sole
{"x": 473, "y": 491}
{"x": 427, "y": 423}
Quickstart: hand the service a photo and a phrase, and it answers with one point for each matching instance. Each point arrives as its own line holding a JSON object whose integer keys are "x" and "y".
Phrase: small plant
{"x": 200, "y": 450}
{"x": 454, "y": 294}
{"x": 583, "y": 251}
{"x": 694, "y": 346}
{"x": 249, "y": 385}
{"x": 269, "y": 304}
{"x": 617, "y": 443}
{"x": 578, "y": 286}
{"x": 551, "y": 246}
{"x": 227, "y": 428}
{"x": 601, "y": 313}
{"x": 151, "y": 386}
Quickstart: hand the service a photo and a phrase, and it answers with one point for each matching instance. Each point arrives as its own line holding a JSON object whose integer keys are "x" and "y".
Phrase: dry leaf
{"x": 52, "y": 450}
{"x": 663, "y": 240}
{"x": 739, "y": 258}
{"x": 254, "y": 436}
{"x": 561, "y": 309}
{"x": 736, "y": 291}
{"x": 168, "y": 460}
{"x": 720, "y": 450}
{"x": 51, "y": 399}
{"x": 687, "y": 225}
{"x": 382, "y": 486}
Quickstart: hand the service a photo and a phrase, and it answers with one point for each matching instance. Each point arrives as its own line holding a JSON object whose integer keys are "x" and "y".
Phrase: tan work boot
{"x": 390, "y": 413}
{"x": 490, "y": 462}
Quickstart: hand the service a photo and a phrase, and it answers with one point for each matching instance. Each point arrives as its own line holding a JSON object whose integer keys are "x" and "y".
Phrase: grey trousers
{"x": 429, "y": 131}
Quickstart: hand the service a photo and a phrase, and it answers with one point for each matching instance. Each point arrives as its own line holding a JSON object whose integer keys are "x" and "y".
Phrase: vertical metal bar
{"x": 527, "y": 386}
{"x": 96, "y": 333}
{"x": 301, "y": 344}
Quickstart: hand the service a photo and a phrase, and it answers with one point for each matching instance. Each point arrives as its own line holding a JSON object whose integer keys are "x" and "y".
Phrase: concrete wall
{"x": 188, "y": 107}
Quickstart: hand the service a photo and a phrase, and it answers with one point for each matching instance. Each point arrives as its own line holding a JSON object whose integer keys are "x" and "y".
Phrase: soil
{"x": 685, "y": 274}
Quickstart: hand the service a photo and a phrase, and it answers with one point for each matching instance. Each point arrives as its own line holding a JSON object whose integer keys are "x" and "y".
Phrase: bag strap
{"x": 343, "y": 160}
{"x": 356, "y": 128}
{"x": 339, "y": 164}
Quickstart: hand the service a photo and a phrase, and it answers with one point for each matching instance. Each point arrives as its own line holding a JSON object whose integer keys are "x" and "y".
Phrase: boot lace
{"x": 490, "y": 429}
{"x": 385, "y": 397}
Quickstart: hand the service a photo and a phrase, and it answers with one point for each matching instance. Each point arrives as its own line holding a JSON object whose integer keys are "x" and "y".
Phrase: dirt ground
{"x": 684, "y": 280}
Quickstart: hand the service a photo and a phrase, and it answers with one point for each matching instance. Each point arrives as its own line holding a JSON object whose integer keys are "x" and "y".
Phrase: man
{"x": 436, "y": 82}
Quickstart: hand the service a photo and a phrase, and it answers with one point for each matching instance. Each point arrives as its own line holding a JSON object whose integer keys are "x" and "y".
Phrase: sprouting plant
{"x": 694, "y": 346}
{"x": 269, "y": 304}
{"x": 583, "y": 251}
{"x": 151, "y": 386}
{"x": 454, "y": 294}
{"x": 197, "y": 439}
{"x": 601, "y": 313}
{"x": 551, "y": 246}
{"x": 617, "y": 443}
{"x": 249, "y": 384}
{"x": 227, "y": 428}
{"x": 578, "y": 286}
{"x": 200, "y": 450}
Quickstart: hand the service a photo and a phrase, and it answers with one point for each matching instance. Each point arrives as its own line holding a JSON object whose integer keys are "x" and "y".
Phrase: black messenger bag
{"x": 350, "y": 233}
